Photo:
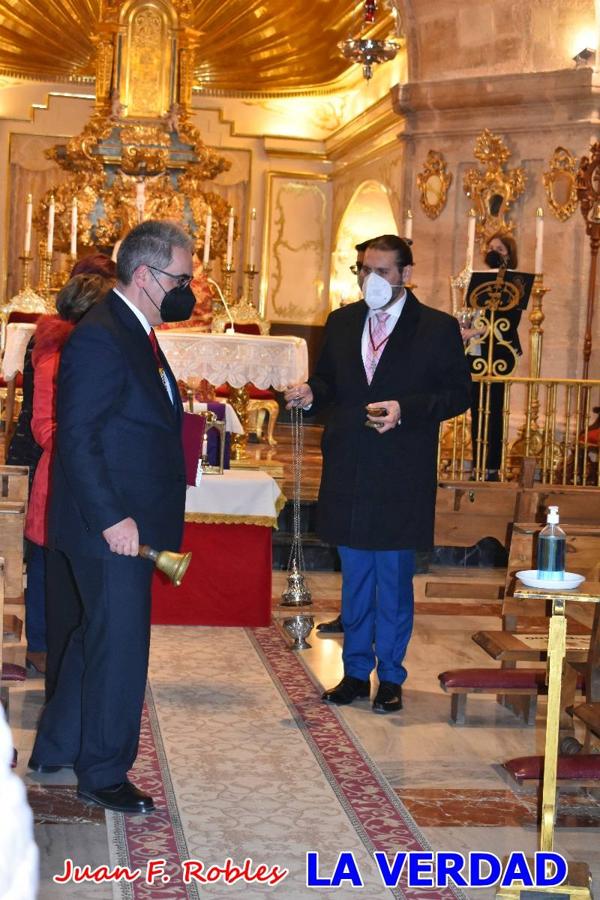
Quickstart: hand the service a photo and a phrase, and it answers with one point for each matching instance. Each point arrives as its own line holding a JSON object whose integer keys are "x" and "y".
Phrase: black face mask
{"x": 495, "y": 260}
{"x": 177, "y": 304}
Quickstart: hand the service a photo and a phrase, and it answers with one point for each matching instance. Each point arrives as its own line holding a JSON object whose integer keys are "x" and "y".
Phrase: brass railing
{"x": 547, "y": 419}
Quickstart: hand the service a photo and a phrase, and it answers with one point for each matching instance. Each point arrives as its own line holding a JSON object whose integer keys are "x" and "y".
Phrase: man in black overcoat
{"x": 118, "y": 481}
{"x": 406, "y": 362}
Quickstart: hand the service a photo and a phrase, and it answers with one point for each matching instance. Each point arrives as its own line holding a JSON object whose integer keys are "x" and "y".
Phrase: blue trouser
{"x": 377, "y": 611}
{"x": 35, "y": 597}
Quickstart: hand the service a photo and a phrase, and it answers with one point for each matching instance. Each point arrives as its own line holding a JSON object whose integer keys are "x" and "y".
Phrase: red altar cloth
{"x": 228, "y": 581}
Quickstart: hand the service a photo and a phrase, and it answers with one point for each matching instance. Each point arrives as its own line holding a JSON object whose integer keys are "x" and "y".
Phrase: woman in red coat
{"x": 52, "y": 332}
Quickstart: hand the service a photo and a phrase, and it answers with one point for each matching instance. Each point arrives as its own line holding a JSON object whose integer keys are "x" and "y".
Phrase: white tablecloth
{"x": 17, "y": 338}
{"x": 237, "y": 497}
{"x": 265, "y": 360}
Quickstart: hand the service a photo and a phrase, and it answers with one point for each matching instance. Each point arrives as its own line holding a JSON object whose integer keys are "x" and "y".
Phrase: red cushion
{"x": 246, "y": 328}
{"x": 13, "y": 672}
{"x": 580, "y": 766}
{"x": 18, "y": 316}
{"x": 254, "y": 393}
{"x": 18, "y": 381}
{"x": 496, "y": 679}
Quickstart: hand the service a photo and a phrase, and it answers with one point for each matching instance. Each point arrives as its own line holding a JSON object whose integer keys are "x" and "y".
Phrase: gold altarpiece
{"x": 139, "y": 156}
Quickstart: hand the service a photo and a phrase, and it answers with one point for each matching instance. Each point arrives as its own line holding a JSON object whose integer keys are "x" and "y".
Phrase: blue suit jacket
{"x": 118, "y": 438}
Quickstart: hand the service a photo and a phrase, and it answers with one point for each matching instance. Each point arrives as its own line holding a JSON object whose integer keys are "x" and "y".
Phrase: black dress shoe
{"x": 123, "y": 797}
{"x": 347, "y": 690}
{"x": 388, "y": 698}
{"x": 333, "y": 627}
{"x": 42, "y": 769}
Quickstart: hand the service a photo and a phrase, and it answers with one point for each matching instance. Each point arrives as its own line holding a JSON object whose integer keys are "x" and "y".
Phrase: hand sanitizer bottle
{"x": 551, "y": 549}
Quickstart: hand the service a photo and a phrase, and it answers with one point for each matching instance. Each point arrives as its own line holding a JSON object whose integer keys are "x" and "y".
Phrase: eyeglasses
{"x": 182, "y": 281}
{"x": 356, "y": 268}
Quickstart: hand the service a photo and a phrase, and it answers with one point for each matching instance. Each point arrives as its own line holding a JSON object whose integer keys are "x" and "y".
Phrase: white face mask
{"x": 377, "y": 291}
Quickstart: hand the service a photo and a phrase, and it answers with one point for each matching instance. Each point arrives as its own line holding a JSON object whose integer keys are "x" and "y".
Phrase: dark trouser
{"x": 93, "y": 718}
{"x": 63, "y": 613}
{"x": 492, "y": 459}
{"x": 35, "y": 619}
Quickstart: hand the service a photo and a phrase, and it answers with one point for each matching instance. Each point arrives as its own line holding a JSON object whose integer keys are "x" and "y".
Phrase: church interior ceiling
{"x": 242, "y": 46}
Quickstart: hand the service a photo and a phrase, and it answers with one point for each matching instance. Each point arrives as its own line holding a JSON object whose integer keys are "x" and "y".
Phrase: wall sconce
{"x": 585, "y": 57}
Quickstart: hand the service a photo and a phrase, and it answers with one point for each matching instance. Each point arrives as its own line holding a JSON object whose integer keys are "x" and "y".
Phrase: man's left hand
{"x": 391, "y": 418}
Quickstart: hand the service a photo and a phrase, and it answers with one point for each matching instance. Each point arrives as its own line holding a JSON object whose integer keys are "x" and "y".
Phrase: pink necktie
{"x": 378, "y": 337}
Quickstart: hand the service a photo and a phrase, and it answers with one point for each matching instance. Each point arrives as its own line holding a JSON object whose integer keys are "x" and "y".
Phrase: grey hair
{"x": 150, "y": 244}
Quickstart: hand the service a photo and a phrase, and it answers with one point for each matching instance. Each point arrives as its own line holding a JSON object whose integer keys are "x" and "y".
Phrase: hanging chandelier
{"x": 368, "y": 51}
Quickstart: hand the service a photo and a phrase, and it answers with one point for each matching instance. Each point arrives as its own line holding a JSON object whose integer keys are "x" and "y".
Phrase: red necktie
{"x": 161, "y": 370}
{"x": 154, "y": 343}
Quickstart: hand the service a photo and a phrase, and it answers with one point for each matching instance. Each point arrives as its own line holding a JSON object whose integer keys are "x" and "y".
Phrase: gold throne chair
{"x": 261, "y": 403}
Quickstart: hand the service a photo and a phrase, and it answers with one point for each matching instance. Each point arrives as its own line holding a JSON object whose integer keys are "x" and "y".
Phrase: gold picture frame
{"x": 434, "y": 183}
{"x": 560, "y": 184}
{"x": 493, "y": 190}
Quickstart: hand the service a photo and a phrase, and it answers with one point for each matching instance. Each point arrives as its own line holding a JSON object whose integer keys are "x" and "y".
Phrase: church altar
{"x": 229, "y": 518}
{"x": 265, "y": 360}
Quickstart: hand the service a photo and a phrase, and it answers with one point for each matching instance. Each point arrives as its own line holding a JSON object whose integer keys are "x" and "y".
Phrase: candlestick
{"x": 471, "y": 239}
{"x": 28, "y": 220}
{"x": 140, "y": 199}
{"x": 251, "y": 255}
{"x": 408, "y": 225}
{"x": 228, "y": 273}
{"x": 50, "y": 241}
{"x": 251, "y": 272}
{"x": 207, "y": 233}
{"x": 74, "y": 228}
{"x": 230, "y": 223}
{"x": 539, "y": 241}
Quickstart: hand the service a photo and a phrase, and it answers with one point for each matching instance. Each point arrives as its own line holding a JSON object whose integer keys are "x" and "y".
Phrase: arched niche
{"x": 368, "y": 214}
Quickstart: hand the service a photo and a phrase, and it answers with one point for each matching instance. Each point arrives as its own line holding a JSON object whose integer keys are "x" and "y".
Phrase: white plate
{"x": 570, "y": 581}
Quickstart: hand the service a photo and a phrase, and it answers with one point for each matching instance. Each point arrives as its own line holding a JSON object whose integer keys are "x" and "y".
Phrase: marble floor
{"x": 449, "y": 778}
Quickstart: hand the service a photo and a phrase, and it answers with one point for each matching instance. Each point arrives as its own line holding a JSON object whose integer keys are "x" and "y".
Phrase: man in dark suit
{"x": 118, "y": 481}
{"x": 406, "y": 363}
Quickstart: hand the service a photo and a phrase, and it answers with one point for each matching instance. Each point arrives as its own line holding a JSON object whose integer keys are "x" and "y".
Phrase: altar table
{"x": 228, "y": 525}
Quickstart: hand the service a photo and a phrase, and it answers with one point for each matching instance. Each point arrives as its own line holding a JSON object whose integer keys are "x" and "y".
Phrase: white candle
{"x": 539, "y": 241}
{"x": 50, "y": 242}
{"x": 140, "y": 198}
{"x": 207, "y": 231}
{"x": 471, "y": 238}
{"x": 408, "y": 224}
{"x": 229, "y": 259}
{"x": 74, "y": 228}
{"x": 28, "y": 220}
{"x": 252, "y": 254}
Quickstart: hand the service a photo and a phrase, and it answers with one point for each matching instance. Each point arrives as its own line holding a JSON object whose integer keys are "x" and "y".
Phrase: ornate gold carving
{"x": 148, "y": 62}
{"x": 493, "y": 190}
{"x": 433, "y": 183}
{"x": 560, "y": 184}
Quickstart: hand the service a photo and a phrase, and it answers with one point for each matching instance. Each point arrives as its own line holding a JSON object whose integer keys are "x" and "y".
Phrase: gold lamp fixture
{"x": 368, "y": 51}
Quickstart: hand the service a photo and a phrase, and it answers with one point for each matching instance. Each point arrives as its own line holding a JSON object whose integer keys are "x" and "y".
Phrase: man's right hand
{"x": 123, "y": 537}
{"x": 298, "y": 395}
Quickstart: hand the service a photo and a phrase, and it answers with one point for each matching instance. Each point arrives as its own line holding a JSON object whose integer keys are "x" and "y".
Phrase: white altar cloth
{"x": 237, "y": 497}
{"x": 265, "y": 360}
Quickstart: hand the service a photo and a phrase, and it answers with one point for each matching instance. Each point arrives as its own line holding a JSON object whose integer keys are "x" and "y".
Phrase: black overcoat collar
{"x": 395, "y": 349}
